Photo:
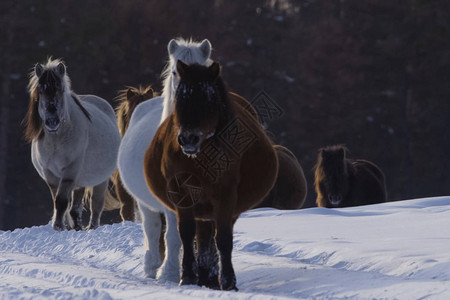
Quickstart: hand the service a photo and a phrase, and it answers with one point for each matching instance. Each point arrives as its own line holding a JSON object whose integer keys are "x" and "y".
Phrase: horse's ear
{"x": 61, "y": 69}
{"x": 149, "y": 93}
{"x": 214, "y": 70}
{"x": 321, "y": 151}
{"x": 130, "y": 94}
{"x": 172, "y": 46}
{"x": 38, "y": 70}
{"x": 205, "y": 48}
{"x": 181, "y": 68}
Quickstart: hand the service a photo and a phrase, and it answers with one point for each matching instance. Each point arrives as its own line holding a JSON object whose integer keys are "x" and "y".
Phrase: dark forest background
{"x": 371, "y": 74}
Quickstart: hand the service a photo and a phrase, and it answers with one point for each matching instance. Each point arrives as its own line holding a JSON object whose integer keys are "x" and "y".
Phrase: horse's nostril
{"x": 181, "y": 140}
{"x": 51, "y": 122}
{"x": 189, "y": 139}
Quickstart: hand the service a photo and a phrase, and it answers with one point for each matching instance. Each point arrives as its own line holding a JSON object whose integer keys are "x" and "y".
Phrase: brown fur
{"x": 128, "y": 100}
{"x": 242, "y": 185}
{"x": 359, "y": 182}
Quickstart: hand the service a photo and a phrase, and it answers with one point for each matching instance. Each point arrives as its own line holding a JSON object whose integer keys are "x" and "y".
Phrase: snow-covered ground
{"x": 397, "y": 250}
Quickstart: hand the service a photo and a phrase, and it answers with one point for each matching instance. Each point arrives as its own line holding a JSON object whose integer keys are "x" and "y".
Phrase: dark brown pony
{"x": 209, "y": 161}
{"x": 128, "y": 98}
{"x": 342, "y": 182}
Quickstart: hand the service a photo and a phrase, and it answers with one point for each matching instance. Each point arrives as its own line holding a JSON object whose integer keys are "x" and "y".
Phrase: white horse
{"x": 74, "y": 144}
{"x": 143, "y": 125}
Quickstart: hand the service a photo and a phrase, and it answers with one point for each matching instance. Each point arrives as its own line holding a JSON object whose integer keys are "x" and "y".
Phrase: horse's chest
{"x": 54, "y": 158}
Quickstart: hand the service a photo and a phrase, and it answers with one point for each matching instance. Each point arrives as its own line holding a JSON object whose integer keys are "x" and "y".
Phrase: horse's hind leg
{"x": 77, "y": 206}
{"x": 151, "y": 224}
{"x": 126, "y": 201}
{"x": 207, "y": 256}
{"x": 97, "y": 202}
{"x": 170, "y": 268}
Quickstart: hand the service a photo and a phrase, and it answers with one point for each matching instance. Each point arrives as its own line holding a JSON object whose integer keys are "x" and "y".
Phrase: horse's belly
{"x": 131, "y": 157}
{"x": 99, "y": 159}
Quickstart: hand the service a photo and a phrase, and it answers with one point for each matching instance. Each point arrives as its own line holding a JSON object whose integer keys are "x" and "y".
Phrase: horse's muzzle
{"x": 190, "y": 143}
{"x": 335, "y": 200}
{"x": 52, "y": 124}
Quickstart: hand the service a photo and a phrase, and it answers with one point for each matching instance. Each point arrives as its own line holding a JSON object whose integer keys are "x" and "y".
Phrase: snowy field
{"x": 397, "y": 250}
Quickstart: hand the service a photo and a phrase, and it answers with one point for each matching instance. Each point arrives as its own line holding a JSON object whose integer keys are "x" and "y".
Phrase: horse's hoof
{"x": 187, "y": 280}
{"x": 231, "y": 288}
{"x": 228, "y": 285}
{"x": 211, "y": 283}
{"x": 58, "y": 227}
{"x": 90, "y": 227}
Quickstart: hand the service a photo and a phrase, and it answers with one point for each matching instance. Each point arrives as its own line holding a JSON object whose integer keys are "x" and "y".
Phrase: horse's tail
{"x": 112, "y": 201}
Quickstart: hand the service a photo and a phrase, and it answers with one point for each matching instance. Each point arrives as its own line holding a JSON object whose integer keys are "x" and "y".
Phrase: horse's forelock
{"x": 189, "y": 52}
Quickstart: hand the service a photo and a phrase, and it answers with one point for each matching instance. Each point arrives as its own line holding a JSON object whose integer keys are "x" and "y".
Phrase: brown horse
{"x": 128, "y": 98}
{"x": 209, "y": 161}
{"x": 289, "y": 191}
{"x": 342, "y": 182}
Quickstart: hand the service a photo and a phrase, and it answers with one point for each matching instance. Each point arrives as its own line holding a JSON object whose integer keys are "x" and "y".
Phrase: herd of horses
{"x": 187, "y": 162}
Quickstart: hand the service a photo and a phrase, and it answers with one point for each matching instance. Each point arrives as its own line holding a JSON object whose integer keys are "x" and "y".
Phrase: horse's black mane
{"x": 78, "y": 102}
{"x": 209, "y": 93}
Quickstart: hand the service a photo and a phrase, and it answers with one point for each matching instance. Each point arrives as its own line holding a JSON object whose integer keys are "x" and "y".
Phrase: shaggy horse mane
{"x": 127, "y": 104}
{"x": 318, "y": 168}
{"x": 32, "y": 120}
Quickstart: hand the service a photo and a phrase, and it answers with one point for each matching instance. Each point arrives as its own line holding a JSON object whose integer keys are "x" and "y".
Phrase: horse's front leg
{"x": 186, "y": 228}
{"x": 77, "y": 208}
{"x": 207, "y": 256}
{"x": 61, "y": 203}
{"x": 224, "y": 238}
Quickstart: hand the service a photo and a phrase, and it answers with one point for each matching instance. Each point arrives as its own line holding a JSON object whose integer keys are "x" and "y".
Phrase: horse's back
{"x": 369, "y": 182}
{"x": 92, "y": 102}
{"x": 290, "y": 187}
{"x": 141, "y": 130}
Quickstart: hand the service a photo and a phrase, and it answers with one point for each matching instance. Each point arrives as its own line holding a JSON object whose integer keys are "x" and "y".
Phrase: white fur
{"x": 80, "y": 150}
{"x": 141, "y": 130}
